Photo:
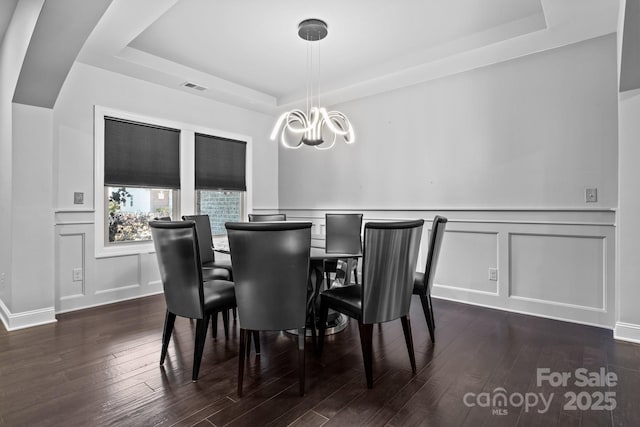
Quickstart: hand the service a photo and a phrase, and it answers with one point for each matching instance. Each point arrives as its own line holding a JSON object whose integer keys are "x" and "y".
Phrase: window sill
{"x": 125, "y": 249}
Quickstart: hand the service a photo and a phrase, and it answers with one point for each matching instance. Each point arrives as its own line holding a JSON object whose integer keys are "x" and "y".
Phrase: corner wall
{"x": 12, "y": 53}
{"x": 628, "y": 233}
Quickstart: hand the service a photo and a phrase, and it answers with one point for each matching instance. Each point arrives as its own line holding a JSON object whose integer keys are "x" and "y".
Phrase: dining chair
{"x": 388, "y": 266}
{"x": 267, "y": 217}
{"x": 342, "y": 235}
{"x": 217, "y": 268}
{"x": 211, "y": 269}
{"x": 271, "y": 272}
{"x": 423, "y": 282}
{"x": 185, "y": 292}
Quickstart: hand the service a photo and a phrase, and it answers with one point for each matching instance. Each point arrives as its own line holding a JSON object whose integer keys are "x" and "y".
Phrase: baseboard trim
{"x": 627, "y": 332}
{"x": 100, "y": 304}
{"x": 4, "y": 314}
{"x": 26, "y": 319}
{"x": 527, "y": 313}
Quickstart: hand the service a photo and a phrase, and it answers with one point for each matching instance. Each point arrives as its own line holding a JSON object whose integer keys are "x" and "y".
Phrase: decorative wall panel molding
{"x": 541, "y": 263}
{"x": 555, "y": 263}
{"x": 104, "y": 280}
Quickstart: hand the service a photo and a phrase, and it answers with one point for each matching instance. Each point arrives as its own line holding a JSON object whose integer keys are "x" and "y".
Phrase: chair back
{"x": 176, "y": 244}
{"x": 203, "y": 228}
{"x": 389, "y": 264}
{"x": 343, "y": 233}
{"x": 435, "y": 243}
{"x": 270, "y": 272}
{"x": 267, "y": 217}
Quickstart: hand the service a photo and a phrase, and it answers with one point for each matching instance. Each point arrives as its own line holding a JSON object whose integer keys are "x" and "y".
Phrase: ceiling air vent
{"x": 193, "y": 86}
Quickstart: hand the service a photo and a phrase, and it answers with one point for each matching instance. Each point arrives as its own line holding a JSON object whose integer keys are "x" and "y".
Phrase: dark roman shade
{"x": 141, "y": 155}
{"x": 220, "y": 163}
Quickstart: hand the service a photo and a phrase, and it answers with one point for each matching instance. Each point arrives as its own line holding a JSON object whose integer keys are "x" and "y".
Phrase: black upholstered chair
{"x": 388, "y": 266}
{"x": 271, "y": 272}
{"x": 423, "y": 281}
{"x": 267, "y": 217}
{"x": 211, "y": 269}
{"x": 186, "y": 295}
{"x": 220, "y": 269}
{"x": 343, "y": 235}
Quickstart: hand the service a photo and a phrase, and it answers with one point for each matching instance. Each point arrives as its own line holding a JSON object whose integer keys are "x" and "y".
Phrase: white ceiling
{"x": 255, "y": 44}
{"x": 247, "y": 52}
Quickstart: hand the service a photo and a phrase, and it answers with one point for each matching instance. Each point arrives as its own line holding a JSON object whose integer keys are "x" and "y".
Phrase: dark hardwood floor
{"x": 100, "y": 367}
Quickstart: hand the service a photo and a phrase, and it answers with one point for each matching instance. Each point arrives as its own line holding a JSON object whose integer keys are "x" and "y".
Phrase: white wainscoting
{"x": 555, "y": 263}
{"x": 104, "y": 280}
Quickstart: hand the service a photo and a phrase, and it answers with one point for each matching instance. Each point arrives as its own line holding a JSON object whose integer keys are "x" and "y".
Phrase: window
{"x": 221, "y": 206}
{"x": 131, "y": 209}
{"x": 147, "y": 167}
{"x": 141, "y": 177}
{"x": 220, "y": 180}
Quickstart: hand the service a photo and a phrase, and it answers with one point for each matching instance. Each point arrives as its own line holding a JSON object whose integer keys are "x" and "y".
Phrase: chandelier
{"x": 306, "y": 128}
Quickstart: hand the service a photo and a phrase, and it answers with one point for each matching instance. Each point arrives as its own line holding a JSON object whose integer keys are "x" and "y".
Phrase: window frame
{"x": 186, "y": 195}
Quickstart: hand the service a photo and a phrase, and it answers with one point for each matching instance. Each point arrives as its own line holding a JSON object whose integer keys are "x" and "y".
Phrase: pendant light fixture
{"x": 297, "y": 127}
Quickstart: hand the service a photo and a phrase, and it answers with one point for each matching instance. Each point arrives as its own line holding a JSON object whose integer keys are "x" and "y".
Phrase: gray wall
{"x": 505, "y": 152}
{"x": 528, "y": 133}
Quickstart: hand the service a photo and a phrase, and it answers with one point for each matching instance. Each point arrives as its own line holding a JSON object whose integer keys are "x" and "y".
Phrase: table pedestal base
{"x": 337, "y": 323}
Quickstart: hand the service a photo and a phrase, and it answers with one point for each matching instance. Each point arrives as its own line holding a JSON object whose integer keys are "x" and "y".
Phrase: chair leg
{"x": 406, "y": 327}
{"x": 256, "y": 341}
{"x": 433, "y": 321}
{"x": 324, "y": 313}
{"x": 301, "y": 354}
{"x": 366, "y": 342}
{"x": 201, "y": 334}
{"x": 169, "y": 320}
{"x": 312, "y": 324}
{"x": 243, "y": 345}
{"x": 355, "y": 270}
{"x": 225, "y": 322}
{"x": 214, "y": 325}
{"x": 427, "y": 315}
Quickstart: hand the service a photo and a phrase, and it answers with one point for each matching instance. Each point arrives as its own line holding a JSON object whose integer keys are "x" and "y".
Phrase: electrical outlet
{"x": 590, "y": 195}
{"x": 493, "y": 274}
{"x": 77, "y": 274}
